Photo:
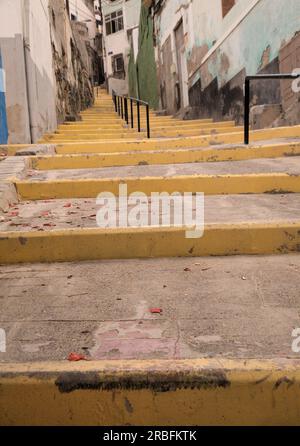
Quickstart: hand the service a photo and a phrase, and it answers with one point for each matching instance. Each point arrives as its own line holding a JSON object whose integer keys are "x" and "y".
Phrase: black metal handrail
{"x": 248, "y": 79}
{"x": 121, "y": 107}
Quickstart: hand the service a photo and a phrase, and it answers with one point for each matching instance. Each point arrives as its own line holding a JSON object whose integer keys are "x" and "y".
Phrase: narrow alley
{"x": 159, "y": 308}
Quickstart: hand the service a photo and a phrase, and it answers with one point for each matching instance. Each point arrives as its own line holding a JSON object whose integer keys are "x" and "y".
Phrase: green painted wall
{"x": 132, "y": 76}
{"x": 143, "y": 79}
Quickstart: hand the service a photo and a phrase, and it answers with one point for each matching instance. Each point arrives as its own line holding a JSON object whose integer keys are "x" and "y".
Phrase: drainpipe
{"x": 26, "y": 20}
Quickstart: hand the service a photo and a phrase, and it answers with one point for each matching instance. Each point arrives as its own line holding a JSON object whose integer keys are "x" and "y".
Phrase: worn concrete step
{"x": 77, "y": 127}
{"x": 73, "y": 213}
{"x": 278, "y": 237}
{"x": 206, "y": 392}
{"x": 227, "y": 177}
{"x": 112, "y": 113}
{"x": 234, "y": 225}
{"x": 100, "y": 135}
{"x": 168, "y": 122}
{"x": 153, "y": 119}
{"x": 84, "y": 127}
{"x": 193, "y": 358}
{"x": 211, "y": 154}
{"x": 119, "y": 121}
{"x": 181, "y": 125}
{"x": 173, "y": 143}
{"x": 206, "y": 304}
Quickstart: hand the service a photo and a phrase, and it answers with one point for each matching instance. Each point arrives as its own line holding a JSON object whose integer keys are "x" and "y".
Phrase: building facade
{"x": 47, "y": 67}
{"x": 25, "y": 45}
{"x": 204, "y": 49}
{"x": 120, "y": 40}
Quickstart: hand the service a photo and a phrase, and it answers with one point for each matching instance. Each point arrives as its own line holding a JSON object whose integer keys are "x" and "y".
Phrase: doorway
{"x": 182, "y": 100}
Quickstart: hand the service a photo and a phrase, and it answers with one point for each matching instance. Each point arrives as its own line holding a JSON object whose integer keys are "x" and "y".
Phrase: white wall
{"x": 118, "y": 43}
{"x": 30, "y": 86}
{"x": 12, "y": 49}
{"x": 40, "y": 76}
{"x": 84, "y": 14}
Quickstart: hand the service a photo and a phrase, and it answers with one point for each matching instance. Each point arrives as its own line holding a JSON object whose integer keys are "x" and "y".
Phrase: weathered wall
{"x": 26, "y": 50}
{"x": 71, "y": 62}
{"x": 12, "y": 49}
{"x": 220, "y": 51}
{"x": 48, "y": 75}
{"x": 83, "y": 10}
{"x": 253, "y": 34}
{"x": 40, "y": 79}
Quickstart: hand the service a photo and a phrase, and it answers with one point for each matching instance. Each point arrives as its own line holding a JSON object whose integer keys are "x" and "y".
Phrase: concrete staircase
{"x": 251, "y": 193}
{"x": 212, "y": 316}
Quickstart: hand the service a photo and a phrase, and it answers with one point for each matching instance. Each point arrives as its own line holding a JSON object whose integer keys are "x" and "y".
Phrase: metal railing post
{"x": 138, "y": 116}
{"x": 122, "y": 108}
{"x": 247, "y": 111}
{"x": 122, "y": 114}
{"x": 131, "y": 113}
{"x": 126, "y": 110}
{"x": 148, "y": 121}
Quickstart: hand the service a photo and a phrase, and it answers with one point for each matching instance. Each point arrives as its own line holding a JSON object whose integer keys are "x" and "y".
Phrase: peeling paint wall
{"x": 83, "y": 10}
{"x": 47, "y": 66}
{"x": 220, "y": 51}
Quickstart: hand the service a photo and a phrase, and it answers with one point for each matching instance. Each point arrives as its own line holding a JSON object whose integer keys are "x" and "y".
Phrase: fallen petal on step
{"x": 156, "y": 310}
{"x": 75, "y": 357}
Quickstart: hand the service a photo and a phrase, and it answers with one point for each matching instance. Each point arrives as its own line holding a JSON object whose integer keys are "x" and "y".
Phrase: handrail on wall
{"x": 248, "y": 79}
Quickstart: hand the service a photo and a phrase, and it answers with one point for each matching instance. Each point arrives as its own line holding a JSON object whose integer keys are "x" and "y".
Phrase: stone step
{"x": 100, "y": 135}
{"x": 210, "y": 154}
{"x": 172, "y": 143}
{"x": 233, "y": 225}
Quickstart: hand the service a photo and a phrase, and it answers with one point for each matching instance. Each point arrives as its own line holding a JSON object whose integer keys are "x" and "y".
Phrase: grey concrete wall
{"x": 12, "y": 50}
{"x": 27, "y": 59}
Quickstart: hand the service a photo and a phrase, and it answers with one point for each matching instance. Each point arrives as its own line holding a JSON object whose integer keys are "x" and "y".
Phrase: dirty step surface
{"x": 289, "y": 165}
{"x": 218, "y": 209}
{"x": 241, "y": 307}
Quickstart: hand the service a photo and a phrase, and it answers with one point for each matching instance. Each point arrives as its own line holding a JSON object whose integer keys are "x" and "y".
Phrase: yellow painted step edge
{"x": 237, "y": 153}
{"x": 198, "y": 392}
{"x": 208, "y": 184}
{"x": 95, "y": 244}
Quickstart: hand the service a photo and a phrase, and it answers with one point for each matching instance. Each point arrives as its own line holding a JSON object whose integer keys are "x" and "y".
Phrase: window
{"x": 114, "y": 22}
{"x": 226, "y": 6}
{"x": 118, "y": 66}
